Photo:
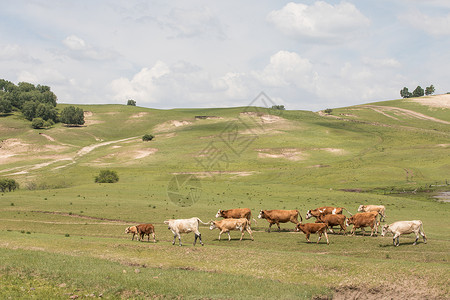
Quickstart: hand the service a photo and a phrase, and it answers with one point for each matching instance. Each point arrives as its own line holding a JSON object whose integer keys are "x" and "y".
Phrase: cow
{"x": 361, "y": 220}
{"x": 325, "y": 210}
{"x": 179, "y": 226}
{"x": 146, "y": 229}
{"x": 278, "y": 216}
{"x": 308, "y": 228}
{"x": 405, "y": 227}
{"x": 133, "y": 230}
{"x": 226, "y": 225}
{"x": 235, "y": 213}
{"x": 378, "y": 208}
{"x": 333, "y": 220}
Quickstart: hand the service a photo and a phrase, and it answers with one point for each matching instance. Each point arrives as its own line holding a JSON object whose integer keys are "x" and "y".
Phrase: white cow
{"x": 378, "y": 208}
{"x": 405, "y": 227}
{"x": 185, "y": 226}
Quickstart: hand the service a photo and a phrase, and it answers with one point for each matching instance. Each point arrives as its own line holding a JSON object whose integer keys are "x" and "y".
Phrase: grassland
{"x": 62, "y": 235}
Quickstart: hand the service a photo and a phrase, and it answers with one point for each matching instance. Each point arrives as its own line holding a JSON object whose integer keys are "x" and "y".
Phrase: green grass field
{"x": 62, "y": 235}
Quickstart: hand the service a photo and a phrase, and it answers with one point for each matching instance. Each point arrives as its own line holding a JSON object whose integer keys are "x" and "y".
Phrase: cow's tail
{"x": 348, "y": 212}
{"x": 256, "y": 222}
{"x": 202, "y": 222}
{"x": 298, "y": 213}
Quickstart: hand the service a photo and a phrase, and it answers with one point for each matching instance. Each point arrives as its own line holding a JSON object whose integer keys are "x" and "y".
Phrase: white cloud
{"x": 74, "y": 43}
{"x": 15, "y": 52}
{"x": 320, "y": 21}
{"x": 79, "y": 49}
{"x": 432, "y": 25}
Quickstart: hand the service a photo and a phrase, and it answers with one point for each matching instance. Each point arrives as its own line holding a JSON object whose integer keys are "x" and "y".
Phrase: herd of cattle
{"x": 326, "y": 218}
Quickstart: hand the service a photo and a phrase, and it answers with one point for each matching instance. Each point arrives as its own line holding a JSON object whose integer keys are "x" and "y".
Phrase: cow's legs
{"x": 331, "y": 229}
{"x": 220, "y": 233}
{"x": 250, "y": 232}
{"x": 133, "y": 236}
{"x": 307, "y": 238}
{"x": 326, "y": 236}
{"x": 397, "y": 236}
{"x": 242, "y": 233}
{"x": 179, "y": 239}
{"x": 199, "y": 236}
{"x": 154, "y": 237}
{"x": 229, "y": 237}
{"x": 279, "y": 228}
{"x": 320, "y": 236}
{"x": 270, "y": 226}
{"x": 174, "y": 238}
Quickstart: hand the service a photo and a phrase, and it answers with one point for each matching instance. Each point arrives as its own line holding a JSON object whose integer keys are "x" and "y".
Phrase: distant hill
{"x": 393, "y": 143}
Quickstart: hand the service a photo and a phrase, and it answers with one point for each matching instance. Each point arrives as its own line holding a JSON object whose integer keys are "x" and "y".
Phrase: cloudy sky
{"x": 308, "y": 55}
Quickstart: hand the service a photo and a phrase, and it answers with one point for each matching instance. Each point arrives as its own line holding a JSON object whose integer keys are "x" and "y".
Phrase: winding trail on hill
{"x": 403, "y": 111}
{"x": 80, "y": 153}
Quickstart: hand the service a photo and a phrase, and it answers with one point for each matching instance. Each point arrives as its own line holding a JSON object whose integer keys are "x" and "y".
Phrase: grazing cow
{"x": 405, "y": 227}
{"x": 133, "y": 230}
{"x": 325, "y": 210}
{"x": 226, "y": 225}
{"x": 333, "y": 220}
{"x": 146, "y": 229}
{"x": 308, "y": 228}
{"x": 378, "y": 208}
{"x": 278, "y": 216}
{"x": 361, "y": 220}
{"x": 185, "y": 226}
{"x": 235, "y": 213}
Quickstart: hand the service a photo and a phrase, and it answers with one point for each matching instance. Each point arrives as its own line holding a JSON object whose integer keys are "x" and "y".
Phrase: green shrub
{"x": 37, "y": 123}
{"x": 147, "y": 137}
{"x": 107, "y": 176}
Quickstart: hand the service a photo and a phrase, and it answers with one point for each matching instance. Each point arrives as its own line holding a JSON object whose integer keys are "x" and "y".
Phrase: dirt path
{"x": 403, "y": 112}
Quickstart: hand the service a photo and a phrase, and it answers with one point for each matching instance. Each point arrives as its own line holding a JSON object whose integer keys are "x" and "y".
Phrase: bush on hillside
{"x": 37, "y": 123}
{"x": 107, "y": 176}
{"x": 328, "y": 111}
{"x": 72, "y": 116}
{"x": 8, "y": 185}
{"x": 147, "y": 137}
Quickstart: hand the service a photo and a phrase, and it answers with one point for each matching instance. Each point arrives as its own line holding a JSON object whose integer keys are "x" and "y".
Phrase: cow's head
{"x": 361, "y": 208}
{"x": 308, "y": 214}
{"x": 131, "y": 229}
{"x": 127, "y": 230}
{"x": 167, "y": 222}
{"x": 213, "y": 225}
{"x": 349, "y": 221}
{"x": 385, "y": 230}
{"x": 297, "y": 227}
{"x": 219, "y": 213}
{"x": 261, "y": 215}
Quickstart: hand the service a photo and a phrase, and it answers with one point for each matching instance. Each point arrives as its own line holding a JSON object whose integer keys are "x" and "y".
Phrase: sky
{"x": 305, "y": 55}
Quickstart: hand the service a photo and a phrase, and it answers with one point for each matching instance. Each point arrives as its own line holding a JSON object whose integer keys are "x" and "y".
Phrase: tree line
{"x": 418, "y": 92}
{"x": 37, "y": 103}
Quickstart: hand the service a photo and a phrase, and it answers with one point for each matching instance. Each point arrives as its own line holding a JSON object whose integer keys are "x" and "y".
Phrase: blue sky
{"x": 307, "y": 55}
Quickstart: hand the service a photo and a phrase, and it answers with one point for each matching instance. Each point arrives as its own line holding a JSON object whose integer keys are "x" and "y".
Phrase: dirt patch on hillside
{"x": 139, "y": 115}
{"x": 47, "y": 137}
{"x": 89, "y": 119}
{"x": 292, "y": 154}
{"x": 170, "y": 125}
{"x": 335, "y": 151}
{"x": 214, "y": 173}
{"x": 144, "y": 153}
{"x": 438, "y": 101}
{"x": 406, "y": 113}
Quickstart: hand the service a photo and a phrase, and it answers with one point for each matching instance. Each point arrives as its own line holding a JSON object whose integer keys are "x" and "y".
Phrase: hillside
{"x": 62, "y": 235}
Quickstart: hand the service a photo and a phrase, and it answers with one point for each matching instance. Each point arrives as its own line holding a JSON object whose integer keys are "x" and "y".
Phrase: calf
{"x": 325, "y": 210}
{"x": 146, "y": 229}
{"x": 226, "y": 225}
{"x": 185, "y": 226}
{"x": 133, "y": 230}
{"x": 361, "y": 220}
{"x": 235, "y": 213}
{"x": 333, "y": 220}
{"x": 405, "y": 227}
{"x": 308, "y": 228}
{"x": 378, "y": 208}
{"x": 278, "y": 216}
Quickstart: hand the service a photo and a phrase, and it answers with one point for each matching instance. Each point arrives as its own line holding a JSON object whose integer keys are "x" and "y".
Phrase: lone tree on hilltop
{"x": 72, "y": 116}
{"x": 131, "y": 102}
{"x": 429, "y": 90}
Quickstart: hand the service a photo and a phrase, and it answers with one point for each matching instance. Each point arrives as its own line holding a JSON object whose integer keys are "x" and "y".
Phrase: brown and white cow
{"x": 333, "y": 220}
{"x": 226, "y": 225}
{"x": 405, "y": 227}
{"x": 278, "y": 216}
{"x": 325, "y": 210}
{"x": 378, "y": 208}
{"x": 308, "y": 228}
{"x": 133, "y": 230}
{"x": 235, "y": 213}
{"x": 146, "y": 229}
{"x": 179, "y": 226}
{"x": 361, "y": 220}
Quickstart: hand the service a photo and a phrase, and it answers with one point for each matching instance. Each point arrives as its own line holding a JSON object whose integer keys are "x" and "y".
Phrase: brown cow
{"x": 235, "y": 213}
{"x": 146, "y": 229}
{"x": 308, "y": 228}
{"x": 226, "y": 225}
{"x": 278, "y": 216}
{"x": 333, "y": 220}
{"x": 379, "y": 208}
{"x": 325, "y": 210}
{"x": 361, "y": 220}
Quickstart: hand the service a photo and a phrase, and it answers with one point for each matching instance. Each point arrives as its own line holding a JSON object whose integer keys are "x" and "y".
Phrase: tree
{"x": 429, "y": 90}
{"x": 280, "y": 107}
{"x": 131, "y": 102}
{"x": 107, "y": 176}
{"x": 147, "y": 137}
{"x": 405, "y": 93}
{"x": 72, "y": 116}
{"x": 46, "y": 111}
{"x": 5, "y": 106}
{"x": 37, "y": 123}
{"x": 8, "y": 185}
{"x": 418, "y": 92}
{"x": 29, "y": 110}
